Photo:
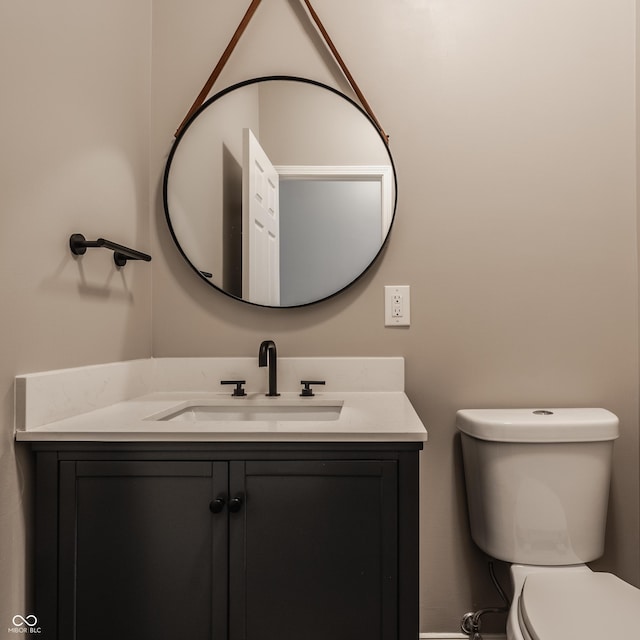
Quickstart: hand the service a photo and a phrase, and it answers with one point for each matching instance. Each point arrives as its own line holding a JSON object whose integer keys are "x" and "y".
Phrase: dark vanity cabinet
{"x": 239, "y": 542}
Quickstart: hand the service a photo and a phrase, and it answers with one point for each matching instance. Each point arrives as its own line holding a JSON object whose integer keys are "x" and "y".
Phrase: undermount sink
{"x": 252, "y": 410}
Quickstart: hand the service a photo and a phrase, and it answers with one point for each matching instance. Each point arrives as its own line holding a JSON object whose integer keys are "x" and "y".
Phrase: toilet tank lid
{"x": 539, "y": 425}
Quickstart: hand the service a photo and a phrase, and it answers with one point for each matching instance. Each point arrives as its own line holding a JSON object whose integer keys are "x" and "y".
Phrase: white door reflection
{"x": 261, "y": 225}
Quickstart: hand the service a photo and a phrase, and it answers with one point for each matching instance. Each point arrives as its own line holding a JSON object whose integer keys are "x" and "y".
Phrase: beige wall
{"x": 74, "y": 107}
{"x": 513, "y": 130}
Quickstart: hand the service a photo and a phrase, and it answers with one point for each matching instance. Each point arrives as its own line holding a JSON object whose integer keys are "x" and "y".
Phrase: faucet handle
{"x": 238, "y": 391}
{"x": 308, "y": 391}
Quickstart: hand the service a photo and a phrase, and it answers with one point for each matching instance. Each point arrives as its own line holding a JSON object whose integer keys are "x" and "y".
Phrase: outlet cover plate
{"x": 397, "y": 306}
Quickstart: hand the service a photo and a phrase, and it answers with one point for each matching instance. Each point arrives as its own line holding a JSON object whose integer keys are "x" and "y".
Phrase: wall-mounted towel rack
{"x": 79, "y": 245}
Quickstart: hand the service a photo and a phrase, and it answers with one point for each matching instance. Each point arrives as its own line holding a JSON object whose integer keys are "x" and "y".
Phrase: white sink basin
{"x": 242, "y": 410}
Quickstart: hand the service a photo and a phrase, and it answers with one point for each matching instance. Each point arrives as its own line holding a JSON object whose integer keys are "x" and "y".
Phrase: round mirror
{"x": 280, "y": 191}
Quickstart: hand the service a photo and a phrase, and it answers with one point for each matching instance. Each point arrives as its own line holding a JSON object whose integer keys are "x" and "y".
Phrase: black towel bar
{"x": 79, "y": 245}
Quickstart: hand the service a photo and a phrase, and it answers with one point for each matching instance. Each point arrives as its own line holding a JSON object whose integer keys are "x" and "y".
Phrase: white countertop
{"x": 90, "y": 404}
{"x": 364, "y": 417}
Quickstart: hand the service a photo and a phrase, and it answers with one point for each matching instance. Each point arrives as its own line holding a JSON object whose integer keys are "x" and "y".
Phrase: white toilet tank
{"x": 538, "y": 482}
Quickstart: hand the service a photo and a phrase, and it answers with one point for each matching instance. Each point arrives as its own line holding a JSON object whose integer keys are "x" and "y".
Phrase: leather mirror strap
{"x": 234, "y": 41}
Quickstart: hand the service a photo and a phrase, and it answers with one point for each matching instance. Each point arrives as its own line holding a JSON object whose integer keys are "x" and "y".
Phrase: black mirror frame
{"x": 222, "y": 93}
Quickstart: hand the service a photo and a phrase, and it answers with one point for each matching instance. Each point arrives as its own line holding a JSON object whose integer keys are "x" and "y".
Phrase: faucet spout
{"x": 268, "y": 356}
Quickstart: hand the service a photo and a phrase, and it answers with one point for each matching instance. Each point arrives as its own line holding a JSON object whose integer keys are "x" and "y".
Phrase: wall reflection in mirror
{"x": 280, "y": 191}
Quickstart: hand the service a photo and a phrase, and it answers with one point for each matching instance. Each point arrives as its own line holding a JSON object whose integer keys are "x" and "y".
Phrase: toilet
{"x": 537, "y": 492}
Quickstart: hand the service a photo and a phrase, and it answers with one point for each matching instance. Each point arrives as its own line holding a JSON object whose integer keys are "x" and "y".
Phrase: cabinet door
{"x": 314, "y": 551}
{"x": 141, "y": 553}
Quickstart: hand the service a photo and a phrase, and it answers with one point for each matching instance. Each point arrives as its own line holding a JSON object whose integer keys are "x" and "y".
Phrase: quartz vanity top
{"x": 129, "y": 402}
{"x": 367, "y": 416}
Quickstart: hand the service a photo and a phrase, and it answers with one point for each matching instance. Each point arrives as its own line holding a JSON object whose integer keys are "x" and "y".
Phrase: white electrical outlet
{"x": 397, "y": 306}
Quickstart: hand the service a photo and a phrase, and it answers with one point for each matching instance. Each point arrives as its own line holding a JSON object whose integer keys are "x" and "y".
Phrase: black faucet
{"x": 268, "y": 354}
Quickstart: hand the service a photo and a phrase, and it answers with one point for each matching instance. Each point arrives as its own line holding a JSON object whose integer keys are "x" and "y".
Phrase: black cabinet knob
{"x": 235, "y": 504}
{"x": 217, "y": 505}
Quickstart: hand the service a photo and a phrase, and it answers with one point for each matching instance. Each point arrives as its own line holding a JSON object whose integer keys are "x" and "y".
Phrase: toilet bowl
{"x": 537, "y": 491}
{"x": 562, "y": 603}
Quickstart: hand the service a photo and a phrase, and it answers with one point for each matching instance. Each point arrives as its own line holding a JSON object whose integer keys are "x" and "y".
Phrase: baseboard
{"x": 459, "y": 636}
